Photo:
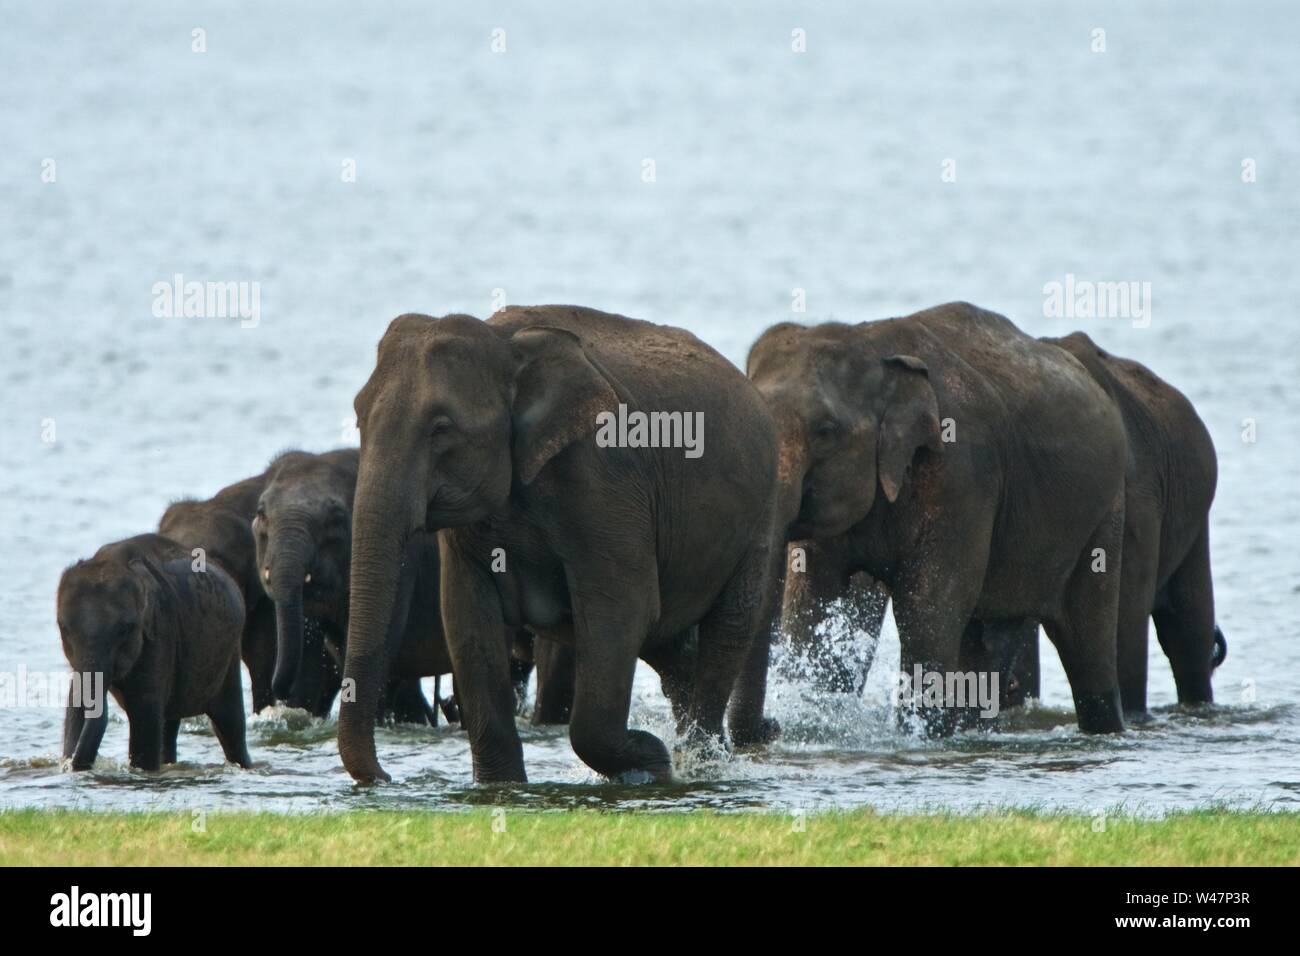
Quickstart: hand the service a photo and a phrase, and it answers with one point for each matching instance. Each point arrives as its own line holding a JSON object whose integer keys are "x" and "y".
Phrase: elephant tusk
{"x": 266, "y": 574}
{"x": 307, "y": 579}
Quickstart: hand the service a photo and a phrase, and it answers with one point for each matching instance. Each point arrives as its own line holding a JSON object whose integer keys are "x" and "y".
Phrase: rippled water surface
{"x": 519, "y": 176}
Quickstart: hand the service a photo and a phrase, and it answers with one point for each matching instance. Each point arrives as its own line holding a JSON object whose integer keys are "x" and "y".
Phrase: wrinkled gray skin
{"x": 165, "y": 637}
{"x": 1171, "y": 477}
{"x": 302, "y": 529}
{"x": 221, "y": 526}
{"x": 999, "y": 525}
{"x": 1169, "y": 487}
{"x": 486, "y": 430}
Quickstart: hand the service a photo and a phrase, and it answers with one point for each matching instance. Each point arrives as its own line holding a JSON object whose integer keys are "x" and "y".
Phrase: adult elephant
{"x": 978, "y": 475}
{"x": 302, "y": 527}
{"x": 1172, "y": 473}
{"x": 1165, "y": 568}
{"x": 488, "y": 431}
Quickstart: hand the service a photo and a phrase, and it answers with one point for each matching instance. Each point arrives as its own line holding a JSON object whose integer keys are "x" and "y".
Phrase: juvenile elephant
{"x": 489, "y": 431}
{"x": 977, "y": 473}
{"x": 302, "y": 528}
{"x": 1165, "y": 571}
{"x": 222, "y": 527}
{"x": 165, "y": 639}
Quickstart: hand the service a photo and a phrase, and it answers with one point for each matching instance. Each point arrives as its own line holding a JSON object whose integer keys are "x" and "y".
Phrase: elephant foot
{"x": 450, "y": 709}
{"x": 1100, "y": 713}
{"x": 638, "y": 753}
{"x": 755, "y": 734}
{"x": 1139, "y": 718}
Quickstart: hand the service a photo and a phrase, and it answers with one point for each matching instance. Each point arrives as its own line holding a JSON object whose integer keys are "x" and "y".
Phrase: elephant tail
{"x": 1220, "y": 653}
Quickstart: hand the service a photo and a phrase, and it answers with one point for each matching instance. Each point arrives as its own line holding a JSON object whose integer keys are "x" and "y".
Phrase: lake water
{"x": 682, "y": 165}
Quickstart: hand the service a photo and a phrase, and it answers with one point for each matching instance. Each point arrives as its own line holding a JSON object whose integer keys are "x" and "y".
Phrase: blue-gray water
{"x": 520, "y": 176}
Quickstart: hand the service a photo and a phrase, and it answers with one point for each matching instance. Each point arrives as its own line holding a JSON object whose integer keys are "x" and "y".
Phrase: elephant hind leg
{"x": 554, "y": 663}
{"x": 1084, "y": 630}
{"x": 1185, "y": 624}
{"x": 226, "y": 712}
{"x": 1136, "y": 598}
{"x": 674, "y": 662}
{"x": 735, "y": 638}
{"x": 171, "y": 730}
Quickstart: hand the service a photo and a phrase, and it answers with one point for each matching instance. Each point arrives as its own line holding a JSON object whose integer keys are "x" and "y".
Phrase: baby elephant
{"x": 163, "y": 638}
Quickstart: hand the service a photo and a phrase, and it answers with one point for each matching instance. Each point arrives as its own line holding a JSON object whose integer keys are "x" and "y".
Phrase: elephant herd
{"x": 983, "y": 481}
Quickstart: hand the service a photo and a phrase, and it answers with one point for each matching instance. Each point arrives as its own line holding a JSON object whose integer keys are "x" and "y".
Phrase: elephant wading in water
{"x": 1165, "y": 568}
{"x": 303, "y": 532}
{"x": 1166, "y": 565}
{"x": 976, "y": 473}
{"x": 488, "y": 431}
{"x": 162, "y": 638}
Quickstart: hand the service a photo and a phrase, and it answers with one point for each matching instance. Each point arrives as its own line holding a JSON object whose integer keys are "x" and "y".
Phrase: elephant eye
{"x": 827, "y": 428}
{"x": 440, "y": 426}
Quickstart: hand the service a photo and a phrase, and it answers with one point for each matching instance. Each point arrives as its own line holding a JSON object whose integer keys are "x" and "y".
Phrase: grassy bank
{"x": 589, "y": 838}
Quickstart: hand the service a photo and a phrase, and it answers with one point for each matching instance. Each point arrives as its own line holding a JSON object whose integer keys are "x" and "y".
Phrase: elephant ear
{"x": 559, "y": 392}
{"x": 910, "y": 421}
{"x": 153, "y": 583}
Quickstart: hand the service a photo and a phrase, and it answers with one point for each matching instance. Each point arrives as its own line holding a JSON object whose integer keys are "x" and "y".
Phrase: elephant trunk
{"x": 286, "y": 567}
{"x": 87, "y": 715}
{"x": 288, "y": 654}
{"x": 381, "y": 526}
{"x": 92, "y": 732}
{"x": 792, "y": 470}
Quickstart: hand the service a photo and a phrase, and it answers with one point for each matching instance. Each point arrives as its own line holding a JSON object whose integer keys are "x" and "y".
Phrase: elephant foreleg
{"x": 473, "y": 623}
{"x": 146, "y": 736}
{"x": 609, "y": 631}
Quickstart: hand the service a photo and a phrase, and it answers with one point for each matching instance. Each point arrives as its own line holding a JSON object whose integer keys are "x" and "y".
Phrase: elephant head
{"x": 851, "y": 417}
{"x": 107, "y": 609}
{"x": 455, "y": 414}
{"x": 303, "y": 534}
